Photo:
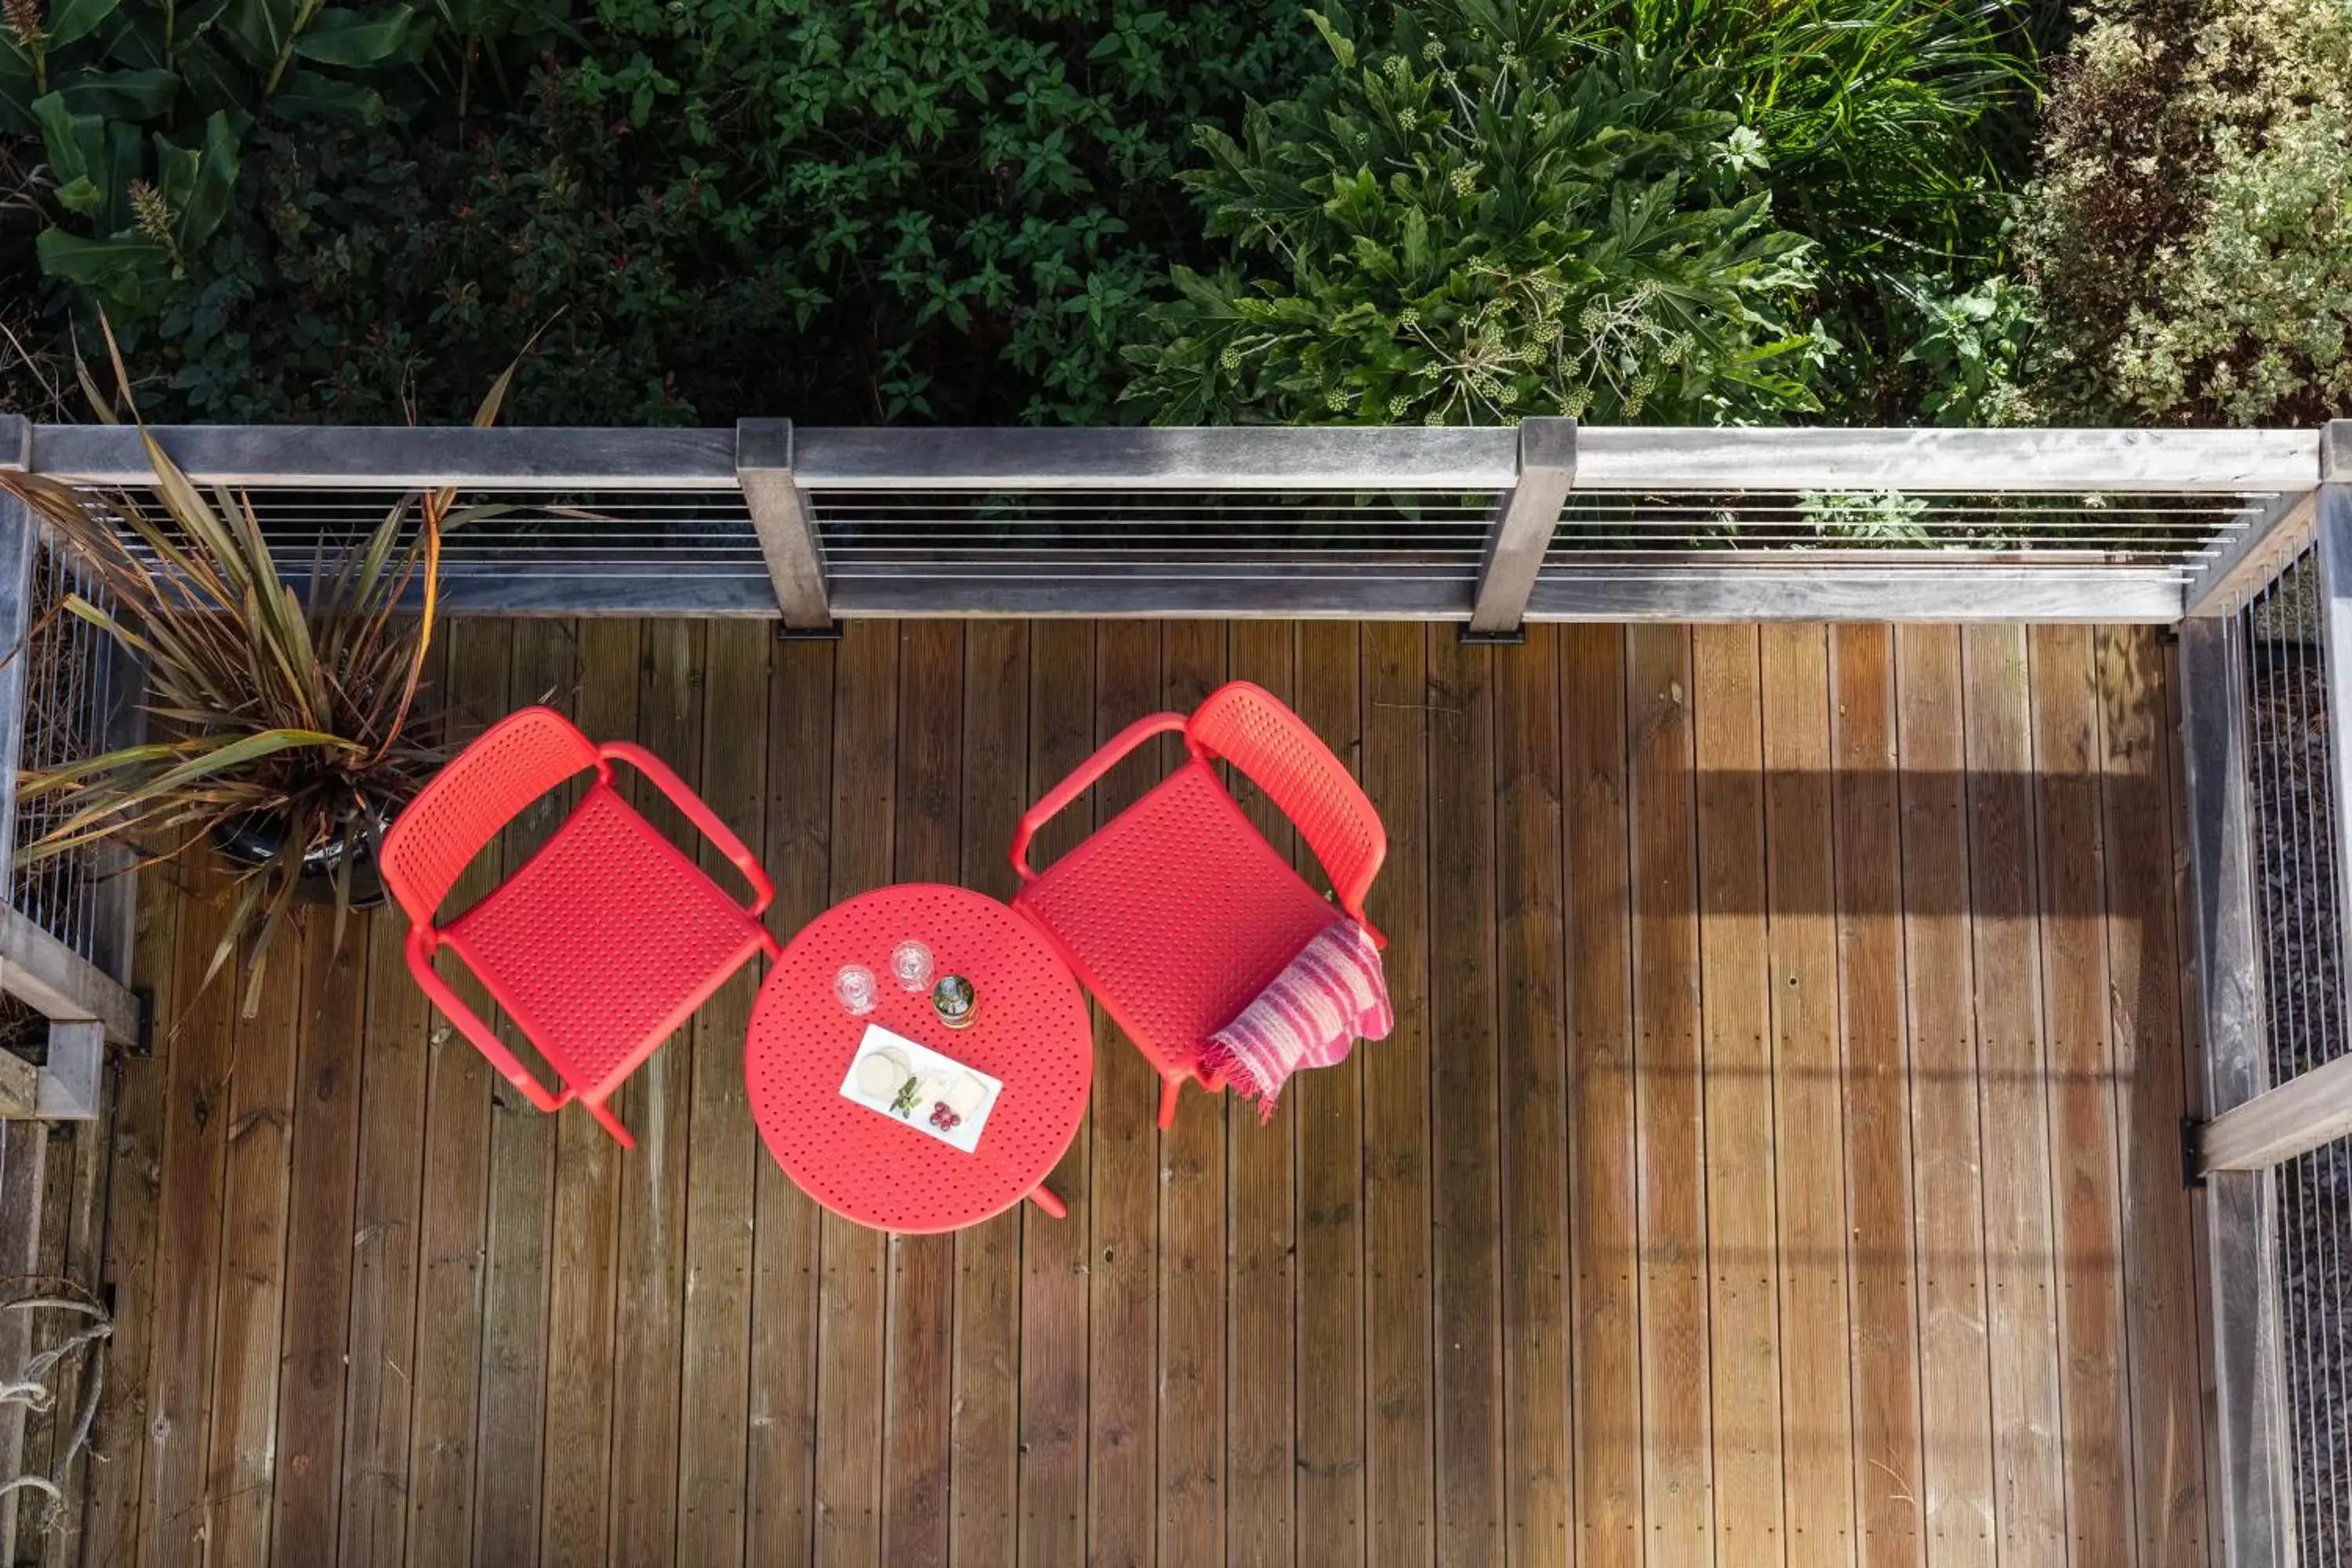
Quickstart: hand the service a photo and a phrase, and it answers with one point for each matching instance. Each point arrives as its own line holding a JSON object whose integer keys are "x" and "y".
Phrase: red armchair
{"x": 1178, "y": 912}
{"x": 603, "y": 942}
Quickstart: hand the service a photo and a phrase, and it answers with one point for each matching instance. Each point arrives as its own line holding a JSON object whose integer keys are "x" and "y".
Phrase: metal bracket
{"x": 2192, "y": 1163}
{"x": 1472, "y": 637}
{"x": 143, "y": 1047}
{"x": 829, "y": 632}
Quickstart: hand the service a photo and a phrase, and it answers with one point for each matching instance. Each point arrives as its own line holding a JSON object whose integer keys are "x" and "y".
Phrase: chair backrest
{"x": 1251, "y": 728}
{"x": 454, "y": 818}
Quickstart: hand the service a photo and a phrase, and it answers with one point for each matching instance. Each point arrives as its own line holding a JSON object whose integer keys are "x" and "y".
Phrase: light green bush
{"x": 2192, "y": 228}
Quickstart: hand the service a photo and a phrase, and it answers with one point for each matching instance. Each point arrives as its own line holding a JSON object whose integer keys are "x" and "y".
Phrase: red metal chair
{"x": 604, "y": 941}
{"x": 1178, "y": 912}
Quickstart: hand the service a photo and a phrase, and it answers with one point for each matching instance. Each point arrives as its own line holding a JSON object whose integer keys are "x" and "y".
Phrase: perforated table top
{"x": 1030, "y": 1031}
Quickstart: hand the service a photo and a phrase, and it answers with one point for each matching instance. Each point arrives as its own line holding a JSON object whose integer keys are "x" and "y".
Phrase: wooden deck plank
{"x": 2086, "y": 1170}
{"x": 2160, "y": 1296}
{"x": 128, "y": 1266}
{"x": 1956, "y": 1498}
{"x": 654, "y": 1105}
{"x": 197, "y": 1043}
{"x": 1054, "y": 1336}
{"x": 1123, "y": 1219}
{"x": 509, "y": 1446}
{"x": 1465, "y": 1099}
{"x": 57, "y": 1532}
{"x": 1677, "y": 1434}
{"x": 984, "y": 1413}
{"x": 1192, "y": 1374}
{"x": 921, "y": 1287}
{"x": 256, "y": 1195}
{"x": 1736, "y": 1070}
{"x": 1604, "y": 1325}
{"x": 446, "y": 1399}
{"x": 1884, "y": 1360}
{"x": 1809, "y": 1130}
{"x": 850, "y": 1347}
{"x": 1261, "y": 1192}
{"x": 1328, "y": 1134}
{"x": 780, "y": 1466}
{"x": 2012, "y": 1100}
{"x": 575, "y": 1490}
{"x": 1539, "y": 1495}
{"x": 326, "y": 1108}
{"x": 1399, "y": 1324}
{"x": 722, "y": 1144}
{"x": 386, "y": 1227}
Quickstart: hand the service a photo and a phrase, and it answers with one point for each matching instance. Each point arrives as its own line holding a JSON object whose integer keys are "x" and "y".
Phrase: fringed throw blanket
{"x": 1333, "y": 993}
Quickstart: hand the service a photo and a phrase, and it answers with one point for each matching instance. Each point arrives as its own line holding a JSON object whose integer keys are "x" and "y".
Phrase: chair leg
{"x": 610, "y": 1122}
{"x": 1042, "y": 1196}
{"x": 1168, "y": 1089}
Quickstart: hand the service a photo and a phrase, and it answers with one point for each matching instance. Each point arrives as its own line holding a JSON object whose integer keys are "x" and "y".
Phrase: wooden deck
{"x": 1777, "y": 1158}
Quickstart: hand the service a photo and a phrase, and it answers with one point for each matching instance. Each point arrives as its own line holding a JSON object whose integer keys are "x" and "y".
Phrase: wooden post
{"x": 1522, "y": 529}
{"x": 763, "y": 463}
{"x": 2254, "y": 1480}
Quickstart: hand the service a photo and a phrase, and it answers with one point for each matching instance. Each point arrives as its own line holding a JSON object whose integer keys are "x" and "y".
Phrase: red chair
{"x": 1178, "y": 912}
{"x": 604, "y": 941}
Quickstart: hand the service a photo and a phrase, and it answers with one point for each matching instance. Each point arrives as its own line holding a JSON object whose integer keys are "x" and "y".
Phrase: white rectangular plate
{"x": 921, "y": 1061}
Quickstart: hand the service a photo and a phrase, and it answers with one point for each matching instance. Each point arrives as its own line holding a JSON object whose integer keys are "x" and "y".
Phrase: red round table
{"x": 1030, "y": 1032}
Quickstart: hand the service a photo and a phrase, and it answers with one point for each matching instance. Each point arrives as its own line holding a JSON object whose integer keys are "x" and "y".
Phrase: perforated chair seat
{"x": 637, "y": 967}
{"x": 1176, "y": 914}
{"x": 601, "y": 944}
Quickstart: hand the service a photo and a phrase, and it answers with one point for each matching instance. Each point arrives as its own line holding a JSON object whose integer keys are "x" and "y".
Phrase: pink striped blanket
{"x": 1333, "y": 993}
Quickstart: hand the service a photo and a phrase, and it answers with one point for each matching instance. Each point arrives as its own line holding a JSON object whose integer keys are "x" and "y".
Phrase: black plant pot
{"x": 255, "y": 841}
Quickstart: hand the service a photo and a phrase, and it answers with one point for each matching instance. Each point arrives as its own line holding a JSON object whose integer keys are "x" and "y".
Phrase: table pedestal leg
{"x": 1042, "y": 1196}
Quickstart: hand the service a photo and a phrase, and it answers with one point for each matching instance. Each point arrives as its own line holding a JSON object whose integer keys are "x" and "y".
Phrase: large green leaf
{"x": 70, "y": 141}
{"x": 207, "y": 205}
{"x": 309, "y": 94}
{"x": 73, "y": 20}
{"x": 80, "y": 196}
{"x": 104, "y": 264}
{"x": 122, "y": 95}
{"x": 126, "y": 152}
{"x": 340, "y": 37}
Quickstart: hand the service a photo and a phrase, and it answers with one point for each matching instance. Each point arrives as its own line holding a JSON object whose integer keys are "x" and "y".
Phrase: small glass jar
{"x": 855, "y": 987}
{"x": 911, "y": 964}
{"x": 955, "y": 1001}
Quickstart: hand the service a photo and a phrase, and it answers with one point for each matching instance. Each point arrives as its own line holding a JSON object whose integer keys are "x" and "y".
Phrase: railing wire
{"x": 68, "y": 702}
{"x": 2295, "y": 838}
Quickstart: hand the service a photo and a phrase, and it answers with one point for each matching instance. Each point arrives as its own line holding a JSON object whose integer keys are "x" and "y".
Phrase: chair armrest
{"x": 421, "y": 940}
{"x": 1085, "y": 778}
{"x": 763, "y": 892}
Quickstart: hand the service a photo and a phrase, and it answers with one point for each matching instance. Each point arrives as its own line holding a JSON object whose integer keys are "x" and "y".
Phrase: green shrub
{"x": 2191, "y": 228}
{"x": 1484, "y": 217}
{"x": 1673, "y": 209}
{"x": 853, "y": 212}
{"x": 142, "y": 109}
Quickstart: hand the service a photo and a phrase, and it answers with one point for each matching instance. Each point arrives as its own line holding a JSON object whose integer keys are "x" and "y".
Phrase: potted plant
{"x": 285, "y": 731}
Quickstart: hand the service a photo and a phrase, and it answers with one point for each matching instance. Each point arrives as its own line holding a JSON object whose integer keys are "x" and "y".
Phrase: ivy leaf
{"x": 346, "y": 38}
